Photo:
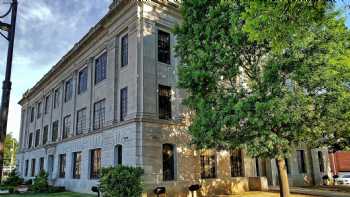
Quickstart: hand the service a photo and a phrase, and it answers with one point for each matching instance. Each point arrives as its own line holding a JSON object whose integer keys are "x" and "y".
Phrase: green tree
{"x": 10, "y": 150}
{"x": 265, "y": 75}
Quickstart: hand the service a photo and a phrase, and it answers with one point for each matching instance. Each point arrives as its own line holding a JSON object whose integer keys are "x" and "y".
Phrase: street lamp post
{"x": 6, "y": 86}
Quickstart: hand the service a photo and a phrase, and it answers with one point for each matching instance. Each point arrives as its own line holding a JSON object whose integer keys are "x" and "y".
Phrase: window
{"x": 301, "y": 161}
{"x": 236, "y": 163}
{"x": 257, "y": 166}
{"x": 320, "y": 161}
{"x": 81, "y": 121}
{"x": 54, "y": 131}
{"x": 163, "y": 47}
{"x": 37, "y": 137}
{"x": 286, "y": 161}
{"x": 62, "y": 166}
{"x": 100, "y": 67}
{"x": 30, "y": 142}
{"x": 68, "y": 91}
{"x": 26, "y": 168}
{"x": 82, "y": 84}
{"x": 118, "y": 155}
{"x": 76, "y": 165}
{"x": 45, "y": 134}
{"x": 66, "y": 127}
{"x": 32, "y": 114}
{"x": 124, "y": 50}
{"x": 123, "y": 103}
{"x": 99, "y": 114}
{"x": 56, "y": 99}
{"x": 208, "y": 166}
{"x": 95, "y": 163}
{"x": 41, "y": 164}
{"x": 168, "y": 162}
{"x": 164, "y": 96}
{"x": 33, "y": 168}
{"x": 38, "y": 112}
{"x": 47, "y": 104}
{"x": 51, "y": 161}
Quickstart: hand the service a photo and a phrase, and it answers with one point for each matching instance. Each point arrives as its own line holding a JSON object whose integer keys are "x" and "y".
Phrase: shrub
{"x": 13, "y": 179}
{"x": 40, "y": 182}
{"x": 121, "y": 181}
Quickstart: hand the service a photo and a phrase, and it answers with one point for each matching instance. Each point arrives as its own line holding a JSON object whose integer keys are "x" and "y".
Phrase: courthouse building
{"x": 112, "y": 99}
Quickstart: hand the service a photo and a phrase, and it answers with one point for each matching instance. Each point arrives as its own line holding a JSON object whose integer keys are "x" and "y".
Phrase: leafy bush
{"x": 13, "y": 179}
{"x": 40, "y": 182}
{"x": 121, "y": 181}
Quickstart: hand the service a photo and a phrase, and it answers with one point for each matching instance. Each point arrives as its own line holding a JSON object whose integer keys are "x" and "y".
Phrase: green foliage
{"x": 265, "y": 75}
{"x": 40, "y": 183}
{"x": 121, "y": 181}
{"x": 13, "y": 179}
{"x": 10, "y": 150}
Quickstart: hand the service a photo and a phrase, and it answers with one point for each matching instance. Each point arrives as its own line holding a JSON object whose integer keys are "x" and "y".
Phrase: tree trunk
{"x": 283, "y": 178}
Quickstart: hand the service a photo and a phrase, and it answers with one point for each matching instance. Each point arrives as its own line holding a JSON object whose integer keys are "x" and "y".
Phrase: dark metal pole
{"x": 6, "y": 89}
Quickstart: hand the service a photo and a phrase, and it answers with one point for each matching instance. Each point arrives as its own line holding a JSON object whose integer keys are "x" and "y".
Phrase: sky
{"x": 46, "y": 30}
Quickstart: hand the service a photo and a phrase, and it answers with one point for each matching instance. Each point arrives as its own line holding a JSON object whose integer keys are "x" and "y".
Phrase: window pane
{"x": 41, "y": 165}
{"x": 124, "y": 50}
{"x": 100, "y": 68}
{"x": 62, "y": 166}
{"x": 81, "y": 121}
{"x": 33, "y": 168}
{"x": 66, "y": 126}
{"x": 118, "y": 155}
{"x": 321, "y": 161}
{"x": 47, "y": 104}
{"x": 164, "y": 97}
{"x": 68, "y": 90}
{"x": 32, "y": 114}
{"x": 37, "y": 137}
{"x": 56, "y": 98}
{"x": 301, "y": 161}
{"x": 236, "y": 163}
{"x": 76, "y": 165}
{"x": 99, "y": 114}
{"x": 168, "y": 162}
{"x": 26, "y": 168}
{"x": 95, "y": 164}
{"x": 30, "y": 140}
{"x": 164, "y": 47}
{"x": 123, "y": 103}
{"x": 54, "y": 131}
{"x": 208, "y": 166}
{"x": 83, "y": 74}
{"x": 38, "y": 115}
{"x": 45, "y": 134}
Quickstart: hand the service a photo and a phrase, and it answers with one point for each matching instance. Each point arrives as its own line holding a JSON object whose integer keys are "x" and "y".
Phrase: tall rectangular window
{"x": 236, "y": 163}
{"x": 99, "y": 114}
{"x": 208, "y": 166}
{"x": 163, "y": 47}
{"x": 32, "y": 114}
{"x": 51, "y": 162}
{"x": 30, "y": 142}
{"x": 47, "y": 104}
{"x": 124, "y": 50}
{"x": 45, "y": 134}
{"x": 41, "y": 164}
{"x": 37, "y": 137}
{"x": 62, "y": 165}
{"x": 118, "y": 154}
{"x": 301, "y": 161}
{"x": 168, "y": 162}
{"x": 66, "y": 127}
{"x": 56, "y": 98}
{"x": 320, "y": 161}
{"x": 286, "y": 161}
{"x": 164, "y": 97}
{"x": 38, "y": 112}
{"x": 95, "y": 163}
{"x": 82, "y": 83}
{"x": 33, "y": 168}
{"x": 76, "y": 165}
{"x": 68, "y": 91}
{"x": 54, "y": 131}
{"x": 26, "y": 168}
{"x": 101, "y": 68}
{"x": 123, "y": 103}
{"x": 81, "y": 121}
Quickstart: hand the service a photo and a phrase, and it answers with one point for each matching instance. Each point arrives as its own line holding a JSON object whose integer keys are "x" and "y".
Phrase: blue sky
{"x": 46, "y": 30}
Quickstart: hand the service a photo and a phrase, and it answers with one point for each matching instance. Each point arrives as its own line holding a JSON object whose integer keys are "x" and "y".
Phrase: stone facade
{"x": 141, "y": 133}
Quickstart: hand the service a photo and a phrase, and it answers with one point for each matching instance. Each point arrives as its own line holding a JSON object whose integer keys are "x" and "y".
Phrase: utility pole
{"x": 6, "y": 86}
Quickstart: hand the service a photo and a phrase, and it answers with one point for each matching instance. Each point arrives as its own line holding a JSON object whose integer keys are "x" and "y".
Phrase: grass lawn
{"x": 265, "y": 194}
{"x": 61, "y": 194}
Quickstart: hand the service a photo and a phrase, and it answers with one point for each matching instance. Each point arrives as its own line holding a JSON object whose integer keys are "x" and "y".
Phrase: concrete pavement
{"x": 315, "y": 192}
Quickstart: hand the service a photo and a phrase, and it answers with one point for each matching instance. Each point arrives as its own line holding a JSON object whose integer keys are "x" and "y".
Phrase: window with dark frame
{"x": 54, "y": 131}
{"x": 56, "y": 98}
{"x": 33, "y": 168}
{"x": 320, "y": 161}
{"x": 99, "y": 114}
{"x": 76, "y": 165}
{"x": 164, "y": 102}
{"x": 38, "y": 112}
{"x": 124, "y": 50}
{"x": 66, "y": 126}
{"x": 30, "y": 142}
{"x": 208, "y": 166}
{"x": 81, "y": 121}
{"x": 164, "y": 47}
{"x": 41, "y": 164}
{"x": 37, "y": 138}
{"x": 301, "y": 161}
{"x": 62, "y": 165}
{"x": 26, "y": 168}
{"x": 82, "y": 81}
{"x": 45, "y": 134}
{"x": 95, "y": 163}
{"x": 100, "y": 68}
{"x": 236, "y": 163}
{"x": 32, "y": 114}
{"x": 123, "y": 103}
{"x": 168, "y": 162}
{"x": 68, "y": 90}
{"x": 51, "y": 161}
{"x": 286, "y": 161}
{"x": 47, "y": 104}
{"x": 118, "y": 155}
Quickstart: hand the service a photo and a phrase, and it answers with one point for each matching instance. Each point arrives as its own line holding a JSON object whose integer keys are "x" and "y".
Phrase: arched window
{"x": 118, "y": 155}
{"x": 168, "y": 162}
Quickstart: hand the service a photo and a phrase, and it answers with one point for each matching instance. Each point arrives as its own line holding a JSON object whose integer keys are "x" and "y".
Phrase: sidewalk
{"x": 314, "y": 192}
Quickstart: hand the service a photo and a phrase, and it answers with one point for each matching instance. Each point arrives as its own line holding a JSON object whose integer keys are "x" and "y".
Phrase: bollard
{"x": 159, "y": 190}
{"x": 194, "y": 188}
{"x": 96, "y": 189}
